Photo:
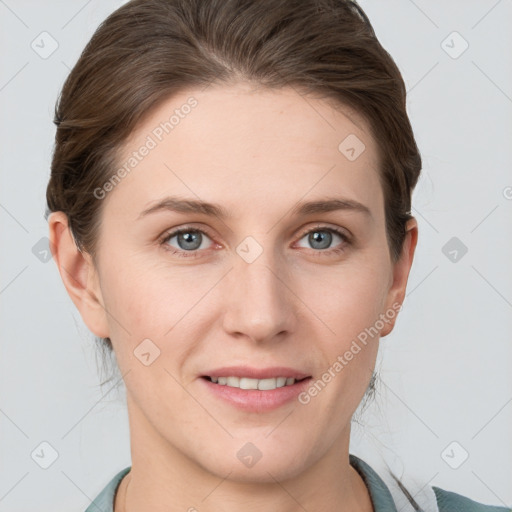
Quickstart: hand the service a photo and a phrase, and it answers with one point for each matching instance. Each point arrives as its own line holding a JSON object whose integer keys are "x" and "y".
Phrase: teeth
{"x": 266, "y": 384}
{"x": 246, "y": 383}
{"x": 280, "y": 382}
{"x": 234, "y": 382}
{"x": 261, "y": 384}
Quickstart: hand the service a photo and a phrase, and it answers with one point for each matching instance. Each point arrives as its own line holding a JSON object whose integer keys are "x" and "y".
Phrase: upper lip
{"x": 256, "y": 373}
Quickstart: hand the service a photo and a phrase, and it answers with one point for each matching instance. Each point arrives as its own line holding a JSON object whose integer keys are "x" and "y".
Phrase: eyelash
{"x": 195, "y": 254}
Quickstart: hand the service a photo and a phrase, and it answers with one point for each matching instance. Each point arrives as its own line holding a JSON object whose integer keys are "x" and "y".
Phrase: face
{"x": 280, "y": 275}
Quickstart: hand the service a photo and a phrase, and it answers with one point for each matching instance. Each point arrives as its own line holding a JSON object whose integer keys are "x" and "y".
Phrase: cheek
{"x": 347, "y": 298}
{"x": 347, "y": 302}
{"x": 136, "y": 292}
{"x": 154, "y": 301}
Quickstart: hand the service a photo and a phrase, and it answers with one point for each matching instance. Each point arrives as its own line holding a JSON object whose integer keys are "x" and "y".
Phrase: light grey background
{"x": 445, "y": 370}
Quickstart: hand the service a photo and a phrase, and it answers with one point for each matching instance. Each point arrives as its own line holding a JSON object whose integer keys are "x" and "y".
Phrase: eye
{"x": 185, "y": 240}
{"x": 321, "y": 238}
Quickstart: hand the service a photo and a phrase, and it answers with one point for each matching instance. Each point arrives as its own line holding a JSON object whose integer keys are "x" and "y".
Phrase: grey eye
{"x": 322, "y": 238}
{"x": 188, "y": 240}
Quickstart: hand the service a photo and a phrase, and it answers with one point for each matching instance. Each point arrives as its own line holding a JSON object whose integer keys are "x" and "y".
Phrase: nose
{"x": 260, "y": 305}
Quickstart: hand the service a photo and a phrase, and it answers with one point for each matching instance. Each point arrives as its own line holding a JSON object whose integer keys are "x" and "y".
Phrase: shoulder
{"x": 405, "y": 494}
{"x": 448, "y": 501}
{"x": 104, "y": 502}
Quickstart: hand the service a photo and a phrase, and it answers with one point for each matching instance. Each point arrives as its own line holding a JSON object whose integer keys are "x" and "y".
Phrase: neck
{"x": 164, "y": 479}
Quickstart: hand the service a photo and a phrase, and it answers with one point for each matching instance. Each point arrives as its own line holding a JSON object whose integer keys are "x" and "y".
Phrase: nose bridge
{"x": 259, "y": 303}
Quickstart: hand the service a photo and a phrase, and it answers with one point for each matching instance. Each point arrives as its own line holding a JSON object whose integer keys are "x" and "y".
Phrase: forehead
{"x": 244, "y": 141}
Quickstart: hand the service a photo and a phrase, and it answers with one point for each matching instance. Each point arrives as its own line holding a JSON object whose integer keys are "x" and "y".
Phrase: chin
{"x": 262, "y": 472}
{"x": 260, "y": 462}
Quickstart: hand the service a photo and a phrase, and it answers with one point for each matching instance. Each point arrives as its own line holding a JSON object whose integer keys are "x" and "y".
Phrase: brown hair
{"x": 147, "y": 50}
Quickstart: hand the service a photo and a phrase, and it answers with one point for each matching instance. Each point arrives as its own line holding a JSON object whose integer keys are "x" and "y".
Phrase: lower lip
{"x": 255, "y": 400}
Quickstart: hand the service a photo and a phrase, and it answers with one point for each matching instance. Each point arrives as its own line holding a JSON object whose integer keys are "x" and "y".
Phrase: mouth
{"x": 250, "y": 383}
{"x": 255, "y": 390}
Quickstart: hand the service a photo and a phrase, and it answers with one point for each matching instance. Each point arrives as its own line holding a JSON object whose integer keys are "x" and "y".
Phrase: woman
{"x": 230, "y": 195}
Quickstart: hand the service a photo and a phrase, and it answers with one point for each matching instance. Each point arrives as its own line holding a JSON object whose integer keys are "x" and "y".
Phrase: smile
{"x": 248, "y": 383}
{"x": 255, "y": 395}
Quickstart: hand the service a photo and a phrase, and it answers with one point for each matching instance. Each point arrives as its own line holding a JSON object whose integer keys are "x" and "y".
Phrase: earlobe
{"x": 78, "y": 274}
{"x": 401, "y": 269}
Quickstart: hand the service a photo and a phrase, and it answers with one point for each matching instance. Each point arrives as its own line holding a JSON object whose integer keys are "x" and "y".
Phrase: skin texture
{"x": 257, "y": 153}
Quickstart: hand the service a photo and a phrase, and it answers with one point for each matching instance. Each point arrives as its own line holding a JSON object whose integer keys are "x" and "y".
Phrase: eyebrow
{"x": 301, "y": 209}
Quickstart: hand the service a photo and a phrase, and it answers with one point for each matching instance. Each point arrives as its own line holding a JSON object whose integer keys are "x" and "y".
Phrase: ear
{"x": 396, "y": 292}
{"x": 78, "y": 274}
